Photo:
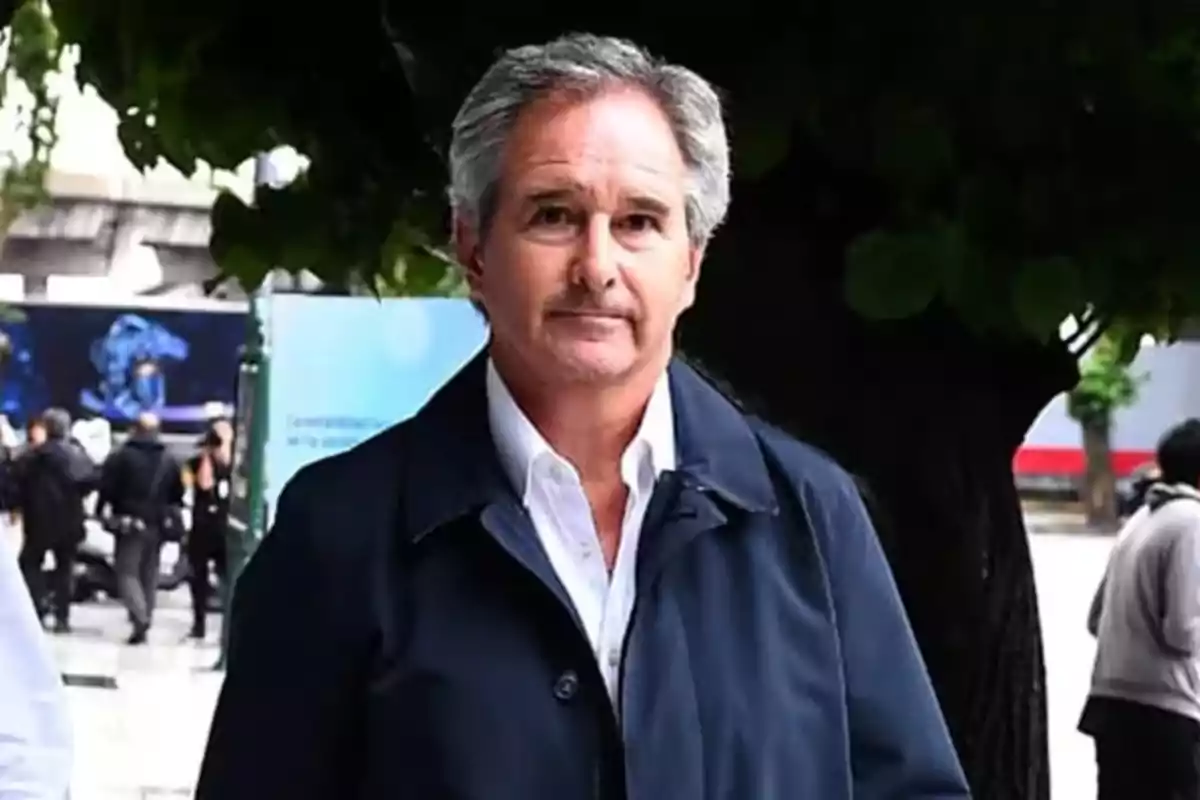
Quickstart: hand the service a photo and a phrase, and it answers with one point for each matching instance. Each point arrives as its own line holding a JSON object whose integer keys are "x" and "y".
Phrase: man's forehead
{"x": 616, "y": 129}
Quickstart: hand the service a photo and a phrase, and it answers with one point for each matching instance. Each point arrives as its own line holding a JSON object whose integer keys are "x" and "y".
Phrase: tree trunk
{"x": 1099, "y": 481}
{"x": 930, "y": 420}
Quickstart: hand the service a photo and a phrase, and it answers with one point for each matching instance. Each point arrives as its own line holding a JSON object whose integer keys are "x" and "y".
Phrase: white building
{"x": 111, "y": 233}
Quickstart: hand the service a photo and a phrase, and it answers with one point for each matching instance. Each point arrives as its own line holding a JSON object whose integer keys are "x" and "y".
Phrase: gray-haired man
{"x": 579, "y": 571}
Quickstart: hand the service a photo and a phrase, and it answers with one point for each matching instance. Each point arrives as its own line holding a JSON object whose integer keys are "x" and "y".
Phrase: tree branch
{"x": 1083, "y": 322}
{"x": 1085, "y": 338}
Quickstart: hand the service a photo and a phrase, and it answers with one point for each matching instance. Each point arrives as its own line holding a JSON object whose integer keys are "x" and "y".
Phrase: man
{"x": 210, "y": 470}
{"x": 53, "y": 477}
{"x": 140, "y": 484}
{"x": 579, "y": 571}
{"x": 1144, "y": 706}
{"x": 35, "y": 729}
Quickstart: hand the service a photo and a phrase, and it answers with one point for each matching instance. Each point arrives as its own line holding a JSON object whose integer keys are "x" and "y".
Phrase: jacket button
{"x": 567, "y": 686}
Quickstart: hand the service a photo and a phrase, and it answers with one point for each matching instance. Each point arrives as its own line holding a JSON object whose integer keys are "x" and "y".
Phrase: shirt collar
{"x": 451, "y": 467}
{"x": 521, "y": 447}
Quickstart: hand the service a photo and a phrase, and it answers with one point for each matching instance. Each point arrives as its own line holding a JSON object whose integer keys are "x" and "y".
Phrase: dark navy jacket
{"x": 400, "y": 635}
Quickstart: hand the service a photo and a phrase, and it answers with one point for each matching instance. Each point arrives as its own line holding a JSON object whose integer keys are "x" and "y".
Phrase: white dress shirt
{"x": 35, "y": 730}
{"x": 550, "y": 488}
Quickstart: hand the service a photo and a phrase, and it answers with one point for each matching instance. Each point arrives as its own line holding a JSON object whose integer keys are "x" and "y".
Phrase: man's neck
{"x": 589, "y": 426}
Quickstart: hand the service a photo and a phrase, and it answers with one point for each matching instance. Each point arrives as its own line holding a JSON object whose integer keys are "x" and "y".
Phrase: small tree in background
{"x": 1106, "y": 384}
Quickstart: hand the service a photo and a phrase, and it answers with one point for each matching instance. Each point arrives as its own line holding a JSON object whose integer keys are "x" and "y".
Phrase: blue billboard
{"x": 115, "y": 362}
{"x": 345, "y": 368}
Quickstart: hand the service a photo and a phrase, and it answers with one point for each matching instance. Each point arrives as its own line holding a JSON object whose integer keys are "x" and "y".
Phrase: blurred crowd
{"x": 91, "y": 510}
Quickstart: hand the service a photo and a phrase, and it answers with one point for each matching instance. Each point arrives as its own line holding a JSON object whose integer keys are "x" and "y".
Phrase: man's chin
{"x": 591, "y": 362}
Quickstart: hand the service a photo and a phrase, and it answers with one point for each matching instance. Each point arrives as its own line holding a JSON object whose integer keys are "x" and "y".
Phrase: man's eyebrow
{"x": 552, "y": 195}
{"x": 649, "y": 204}
{"x": 640, "y": 202}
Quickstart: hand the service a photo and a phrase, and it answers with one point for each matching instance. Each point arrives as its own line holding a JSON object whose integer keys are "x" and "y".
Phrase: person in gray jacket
{"x": 1143, "y": 709}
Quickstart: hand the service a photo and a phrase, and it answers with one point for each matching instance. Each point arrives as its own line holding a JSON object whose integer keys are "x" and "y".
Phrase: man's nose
{"x": 596, "y": 261}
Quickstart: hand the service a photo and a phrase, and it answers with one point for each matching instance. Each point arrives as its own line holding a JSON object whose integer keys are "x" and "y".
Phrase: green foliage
{"x": 1106, "y": 384}
{"x": 423, "y": 273}
{"x": 34, "y": 56}
{"x": 1045, "y": 292}
{"x": 1014, "y": 163}
{"x": 894, "y": 275}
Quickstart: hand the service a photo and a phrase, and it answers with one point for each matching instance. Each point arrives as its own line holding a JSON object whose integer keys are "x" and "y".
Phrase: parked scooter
{"x": 95, "y": 573}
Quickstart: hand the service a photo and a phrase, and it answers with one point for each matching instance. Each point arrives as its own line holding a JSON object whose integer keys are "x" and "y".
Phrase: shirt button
{"x": 614, "y": 658}
{"x": 567, "y": 686}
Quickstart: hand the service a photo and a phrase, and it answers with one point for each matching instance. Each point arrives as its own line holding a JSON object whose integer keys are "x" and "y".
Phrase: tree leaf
{"x": 422, "y": 272}
{"x": 913, "y": 149}
{"x": 761, "y": 144}
{"x": 1106, "y": 382}
{"x": 1045, "y": 292}
{"x": 245, "y": 265}
{"x": 1127, "y": 347}
{"x": 236, "y": 242}
{"x": 892, "y": 276}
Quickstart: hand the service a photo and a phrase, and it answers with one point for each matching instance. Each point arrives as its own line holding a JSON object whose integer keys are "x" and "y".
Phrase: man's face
{"x": 37, "y": 434}
{"x": 587, "y": 263}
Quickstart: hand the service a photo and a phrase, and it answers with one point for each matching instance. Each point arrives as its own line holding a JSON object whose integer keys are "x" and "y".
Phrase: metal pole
{"x": 243, "y": 534}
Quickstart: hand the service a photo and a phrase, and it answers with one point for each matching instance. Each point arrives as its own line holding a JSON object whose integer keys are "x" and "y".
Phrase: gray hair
{"x": 57, "y": 422}
{"x": 587, "y": 65}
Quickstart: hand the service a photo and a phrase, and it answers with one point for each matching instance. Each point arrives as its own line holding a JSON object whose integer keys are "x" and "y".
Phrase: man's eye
{"x": 552, "y": 216}
{"x": 641, "y": 223}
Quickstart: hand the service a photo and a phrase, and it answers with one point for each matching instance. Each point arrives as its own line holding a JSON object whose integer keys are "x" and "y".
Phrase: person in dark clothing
{"x": 53, "y": 477}
{"x": 210, "y": 511}
{"x": 579, "y": 571}
{"x": 139, "y": 485}
{"x": 9, "y": 483}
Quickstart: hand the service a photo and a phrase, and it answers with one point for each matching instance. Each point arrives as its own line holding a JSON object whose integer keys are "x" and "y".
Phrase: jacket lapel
{"x": 507, "y": 522}
{"x": 454, "y": 473}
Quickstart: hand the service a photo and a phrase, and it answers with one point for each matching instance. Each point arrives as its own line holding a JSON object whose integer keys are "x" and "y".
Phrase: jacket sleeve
{"x": 111, "y": 474}
{"x": 175, "y": 488}
{"x": 1097, "y": 607}
{"x": 35, "y": 728}
{"x": 286, "y": 723}
{"x": 1181, "y": 593}
{"x": 899, "y": 742}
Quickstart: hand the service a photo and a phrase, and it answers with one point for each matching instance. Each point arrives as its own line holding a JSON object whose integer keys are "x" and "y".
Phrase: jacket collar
{"x": 454, "y": 470}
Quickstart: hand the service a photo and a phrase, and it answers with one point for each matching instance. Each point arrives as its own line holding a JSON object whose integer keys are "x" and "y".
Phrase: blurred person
{"x": 35, "y": 432}
{"x": 140, "y": 487}
{"x": 1143, "y": 710}
{"x": 8, "y": 435}
{"x": 94, "y": 436}
{"x": 580, "y": 571}
{"x": 35, "y": 729}
{"x": 53, "y": 477}
{"x": 10, "y": 446}
{"x": 210, "y": 470}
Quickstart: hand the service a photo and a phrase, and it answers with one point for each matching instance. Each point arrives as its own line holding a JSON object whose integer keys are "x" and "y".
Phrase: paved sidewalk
{"x": 141, "y": 713}
{"x": 1055, "y": 518}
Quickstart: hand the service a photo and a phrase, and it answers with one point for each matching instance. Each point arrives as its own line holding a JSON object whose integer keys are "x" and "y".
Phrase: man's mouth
{"x": 590, "y": 314}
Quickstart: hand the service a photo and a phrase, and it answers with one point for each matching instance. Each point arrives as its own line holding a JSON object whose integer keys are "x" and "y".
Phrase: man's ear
{"x": 692, "y": 277}
{"x": 467, "y": 249}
